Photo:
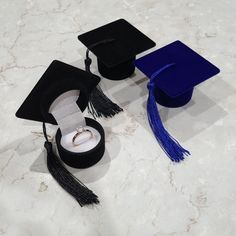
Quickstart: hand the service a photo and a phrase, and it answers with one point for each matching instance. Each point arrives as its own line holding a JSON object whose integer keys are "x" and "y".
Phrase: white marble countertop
{"x": 140, "y": 190}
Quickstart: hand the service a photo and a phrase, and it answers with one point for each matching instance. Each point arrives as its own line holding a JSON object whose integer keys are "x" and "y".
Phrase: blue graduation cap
{"x": 174, "y": 70}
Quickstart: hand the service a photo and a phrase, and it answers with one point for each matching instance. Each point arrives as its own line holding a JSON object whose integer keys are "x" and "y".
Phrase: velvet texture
{"x": 189, "y": 70}
{"x": 115, "y": 45}
{"x": 57, "y": 79}
{"x": 55, "y": 90}
{"x": 167, "y": 142}
{"x": 122, "y": 71}
{"x": 84, "y": 159}
{"x": 167, "y": 101}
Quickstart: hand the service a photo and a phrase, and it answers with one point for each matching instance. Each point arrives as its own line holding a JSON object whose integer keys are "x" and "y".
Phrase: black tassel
{"x": 99, "y": 104}
{"x": 65, "y": 179}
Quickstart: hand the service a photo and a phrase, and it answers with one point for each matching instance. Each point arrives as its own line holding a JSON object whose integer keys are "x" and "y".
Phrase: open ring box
{"x": 88, "y": 147}
{"x": 59, "y": 98}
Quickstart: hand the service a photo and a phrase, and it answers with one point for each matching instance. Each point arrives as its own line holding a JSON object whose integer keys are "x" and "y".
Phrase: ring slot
{"x": 83, "y": 159}
{"x": 80, "y": 131}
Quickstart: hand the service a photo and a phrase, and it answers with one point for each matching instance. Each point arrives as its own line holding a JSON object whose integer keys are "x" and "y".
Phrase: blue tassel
{"x": 170, "y": 145}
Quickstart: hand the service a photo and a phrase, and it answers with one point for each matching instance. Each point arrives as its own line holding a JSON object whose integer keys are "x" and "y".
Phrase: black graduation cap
{"x": 57, "y": 79}
{"x": 174, "y": 71}
{"x": 116, "y": 45}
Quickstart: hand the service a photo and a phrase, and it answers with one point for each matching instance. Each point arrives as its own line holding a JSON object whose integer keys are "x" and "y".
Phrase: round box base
{"x": 83, "y": 159}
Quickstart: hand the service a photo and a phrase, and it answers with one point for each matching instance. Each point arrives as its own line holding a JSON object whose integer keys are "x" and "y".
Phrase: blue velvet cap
{"x": 188, "y": 70}
{"x": 174, "y": 71}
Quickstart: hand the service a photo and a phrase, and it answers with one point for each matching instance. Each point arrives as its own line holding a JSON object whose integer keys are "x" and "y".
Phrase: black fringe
{"x": 65, "y": 179}
{"x": 99, "y": 104}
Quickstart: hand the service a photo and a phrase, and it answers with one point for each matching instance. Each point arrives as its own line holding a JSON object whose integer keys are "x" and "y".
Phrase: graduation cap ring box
{"x": 59, "y": 98}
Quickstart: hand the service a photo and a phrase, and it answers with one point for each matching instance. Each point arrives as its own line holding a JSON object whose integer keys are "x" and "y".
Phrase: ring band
{"x": 78, "y": 133}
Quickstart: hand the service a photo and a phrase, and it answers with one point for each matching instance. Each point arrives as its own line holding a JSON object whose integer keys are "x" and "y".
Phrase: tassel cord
{"x": 99, "y": 104}
{"x": 168, "y": 143}
{"x": 65, "y": 179}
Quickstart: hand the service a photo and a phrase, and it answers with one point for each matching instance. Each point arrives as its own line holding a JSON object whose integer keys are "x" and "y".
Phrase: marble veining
{"x": 141, "y": 191}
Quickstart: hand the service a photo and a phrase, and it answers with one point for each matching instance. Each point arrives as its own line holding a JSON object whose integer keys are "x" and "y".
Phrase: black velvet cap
{"x": 116, "y": 44}
{"x": 57, "y": 79}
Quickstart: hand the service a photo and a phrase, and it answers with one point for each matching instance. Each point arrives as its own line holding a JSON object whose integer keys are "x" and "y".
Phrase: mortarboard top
{"x": 175, "y": 84}
{"x": 57, "y": 79}
{"x": 174, "y": 71}
{"x": 116, "y": 44}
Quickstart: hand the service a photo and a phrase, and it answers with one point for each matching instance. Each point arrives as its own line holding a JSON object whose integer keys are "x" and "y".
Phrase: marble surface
{"x": 140, "y": 190}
